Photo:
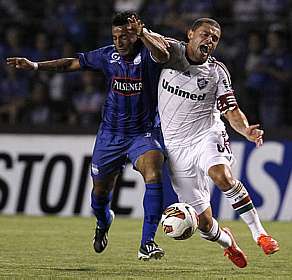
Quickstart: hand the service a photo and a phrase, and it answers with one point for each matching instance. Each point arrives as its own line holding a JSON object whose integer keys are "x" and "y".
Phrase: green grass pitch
{"x": 60, "y": 248}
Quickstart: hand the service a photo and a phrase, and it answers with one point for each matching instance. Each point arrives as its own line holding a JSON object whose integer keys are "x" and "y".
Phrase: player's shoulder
{"x": 107, "y": 50}
{"x": 104, "y": 51}
{"x": 175, "y": 43}
{"x": 215, "y": 61}
{"x": 217, "y": 65}
{"x": 177, "y": 48}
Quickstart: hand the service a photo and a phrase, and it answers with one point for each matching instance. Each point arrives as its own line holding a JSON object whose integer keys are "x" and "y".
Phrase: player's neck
{"x": 129, "y": 57}
{"x": 133, "y": 53}
{"x": 190, "y": 57}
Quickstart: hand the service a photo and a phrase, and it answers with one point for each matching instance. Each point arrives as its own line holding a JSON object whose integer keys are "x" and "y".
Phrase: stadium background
{"x": 48, "y": 120}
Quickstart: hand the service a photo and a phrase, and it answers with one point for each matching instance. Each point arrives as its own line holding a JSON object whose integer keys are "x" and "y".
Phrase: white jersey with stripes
{"x": 189, "y": 97}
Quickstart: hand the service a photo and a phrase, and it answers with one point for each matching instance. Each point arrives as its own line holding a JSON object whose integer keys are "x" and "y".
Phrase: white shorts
{"x": 189, "y": 167}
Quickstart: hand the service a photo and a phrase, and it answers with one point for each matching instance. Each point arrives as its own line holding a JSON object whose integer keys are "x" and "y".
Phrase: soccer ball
{"x": 179, "y": 221}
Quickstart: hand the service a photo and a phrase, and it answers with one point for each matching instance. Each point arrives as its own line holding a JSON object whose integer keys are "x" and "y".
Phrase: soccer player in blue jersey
{"x": 127, "y": 129}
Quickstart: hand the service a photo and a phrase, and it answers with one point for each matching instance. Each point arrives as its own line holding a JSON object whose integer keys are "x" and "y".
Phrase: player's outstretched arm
{"x": 154, "y": 42}
{"x": 239, "y": 122}
{"x": 58, "y": 65}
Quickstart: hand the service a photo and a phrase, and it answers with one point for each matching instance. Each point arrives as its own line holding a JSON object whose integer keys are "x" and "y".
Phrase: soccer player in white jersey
{"x": 194, "y": 91}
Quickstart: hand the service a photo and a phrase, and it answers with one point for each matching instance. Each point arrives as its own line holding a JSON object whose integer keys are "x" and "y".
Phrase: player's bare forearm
{"x": 60, "y": 65}
{"x": 157, "y": 45}
{"x": 239, "y": 122}
{"x": 154, "y": 42}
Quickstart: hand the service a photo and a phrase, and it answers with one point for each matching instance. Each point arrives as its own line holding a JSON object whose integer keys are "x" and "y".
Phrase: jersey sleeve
{"x": 226, "y": 100}
{"x": 177, "y": 53}
{"x": 92, "y": 60}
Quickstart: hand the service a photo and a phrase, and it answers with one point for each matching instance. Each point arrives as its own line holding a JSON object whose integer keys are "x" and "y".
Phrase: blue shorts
{"x": 111, "y": 152}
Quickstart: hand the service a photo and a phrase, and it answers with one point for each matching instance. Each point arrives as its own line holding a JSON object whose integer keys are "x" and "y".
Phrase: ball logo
{"x": 174, "y": 212}
{"x": 167, "y": 229}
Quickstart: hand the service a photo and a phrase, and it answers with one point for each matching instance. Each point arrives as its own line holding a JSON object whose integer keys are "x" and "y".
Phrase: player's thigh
{"x": 192, "y": 190}
{"x": 109, "y": 156}
{"x": 221, "y": 176}
{"x": 215, "y": 150}
{"x": 147, "y": 157}
{"x": 150, "y": 160}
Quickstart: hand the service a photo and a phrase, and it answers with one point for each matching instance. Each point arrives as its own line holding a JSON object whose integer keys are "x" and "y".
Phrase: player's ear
{"x": 190, "y": 34}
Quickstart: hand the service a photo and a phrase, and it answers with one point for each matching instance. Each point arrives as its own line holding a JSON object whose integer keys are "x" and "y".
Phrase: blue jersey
{"x": 131, "y": 104}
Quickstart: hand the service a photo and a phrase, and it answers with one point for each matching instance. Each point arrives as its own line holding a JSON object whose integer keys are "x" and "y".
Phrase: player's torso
{"x": 131, "y": 101}
{"x": 187, "y": 101}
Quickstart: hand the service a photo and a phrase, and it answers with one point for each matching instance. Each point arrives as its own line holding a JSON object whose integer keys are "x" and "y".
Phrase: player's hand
{"x": 254, "y": 134}
{"x": 135, "y": 26}
{"x": 20, "y": 63}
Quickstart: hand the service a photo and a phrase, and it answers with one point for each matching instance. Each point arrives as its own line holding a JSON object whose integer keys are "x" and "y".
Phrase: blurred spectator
{"x": 62, "y": 88}
{"x": 274, "y": 10}
{"x": 12, "y": 9}
{"x": 190, "y": 11}
{"x": 12, "y": 45}
{"x": 89, "y": 101}
{"x": 246, "y": 10}
{"x": 69, "y": 14}
{"x": 13, "y": 93}
{"x": 37, "y": 109}
{"x": 164, "y": 16}
{"x": 128, "y": 5}
{"x": 274, "y": 73}
{"x": 47, "y": 29}
{"x": 223, "y": 9}
{"x": 253, "y": 82}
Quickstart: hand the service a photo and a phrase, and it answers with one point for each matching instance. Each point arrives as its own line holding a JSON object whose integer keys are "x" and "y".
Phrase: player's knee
{"x": 153, "y": 175}
{"x": 100, "y": 191}
{"x": 101, "y": 188}
{"x": 221, "y": 178}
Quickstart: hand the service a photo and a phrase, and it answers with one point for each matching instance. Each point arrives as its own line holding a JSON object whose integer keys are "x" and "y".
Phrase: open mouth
{"x": 204, "y": 50}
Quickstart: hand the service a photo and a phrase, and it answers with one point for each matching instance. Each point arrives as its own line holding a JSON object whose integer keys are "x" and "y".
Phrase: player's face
{"x": 202, "y": 42}
{"x": 123, "y": 40}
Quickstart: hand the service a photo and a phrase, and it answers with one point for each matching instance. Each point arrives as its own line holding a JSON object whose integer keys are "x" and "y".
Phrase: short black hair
{"x": 197, "y": 23}
{"x": 122, "y": 18}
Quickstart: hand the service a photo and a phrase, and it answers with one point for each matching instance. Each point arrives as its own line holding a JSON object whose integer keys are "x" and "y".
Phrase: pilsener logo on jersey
{"x": 127, "y": 86}
{"x": 182, "y": 93}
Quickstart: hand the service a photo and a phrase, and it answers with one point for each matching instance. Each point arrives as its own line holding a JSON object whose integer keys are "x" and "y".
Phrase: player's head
{"x": 203, "y": 36}
{"x": 124, "y": 42}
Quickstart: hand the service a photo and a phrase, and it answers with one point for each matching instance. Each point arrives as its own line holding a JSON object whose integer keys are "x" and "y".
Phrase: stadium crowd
{"x": 256, "y": 46}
